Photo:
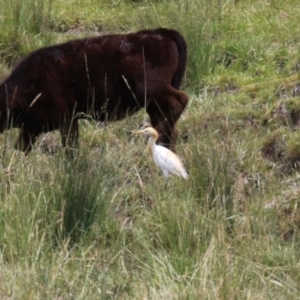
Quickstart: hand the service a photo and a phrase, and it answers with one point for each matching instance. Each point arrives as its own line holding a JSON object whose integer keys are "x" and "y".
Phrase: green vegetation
{"x": 107, "y": 225}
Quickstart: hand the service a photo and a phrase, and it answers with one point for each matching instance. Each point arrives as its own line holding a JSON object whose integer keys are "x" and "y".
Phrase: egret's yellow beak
{"x": 138, "y": 132}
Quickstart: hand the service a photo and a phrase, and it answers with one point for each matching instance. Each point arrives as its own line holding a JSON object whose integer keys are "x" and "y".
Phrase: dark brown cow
{"x": 107, "y": 77}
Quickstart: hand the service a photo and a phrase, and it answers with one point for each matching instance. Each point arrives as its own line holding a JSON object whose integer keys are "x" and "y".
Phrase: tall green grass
{"x": 25, "y": 25}
{"x": 106, "y": 224}
{"x": 197, "y": 21}
{"x": 55, "y": 203}
{"x": 217, "y": 33}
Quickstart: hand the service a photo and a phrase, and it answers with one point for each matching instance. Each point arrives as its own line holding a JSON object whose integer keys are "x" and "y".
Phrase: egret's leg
{"x": 166, "y": 173}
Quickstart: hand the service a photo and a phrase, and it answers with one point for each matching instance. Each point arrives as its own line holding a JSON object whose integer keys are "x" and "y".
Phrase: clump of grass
{"x": 274, "y": 147}
{"x": 80, "y": 199}
{"x": 292, "y": 109}
{"x": 293, "y": 151}
{"x": 282, "y": 148}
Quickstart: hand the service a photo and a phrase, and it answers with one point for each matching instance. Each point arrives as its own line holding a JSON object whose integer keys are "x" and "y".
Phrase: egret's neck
{"x": 151, "y": 142}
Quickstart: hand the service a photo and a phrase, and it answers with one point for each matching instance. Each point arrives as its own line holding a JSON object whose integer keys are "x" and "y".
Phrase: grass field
{"x": 106, "y": 225}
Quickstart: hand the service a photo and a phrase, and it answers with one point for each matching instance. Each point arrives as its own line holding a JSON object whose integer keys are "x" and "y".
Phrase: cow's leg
{"x": 26, "y": 139}
{"x": 69, "y": 135}
{"x": 165, "y": 112}
{"x": 3, "y": 121}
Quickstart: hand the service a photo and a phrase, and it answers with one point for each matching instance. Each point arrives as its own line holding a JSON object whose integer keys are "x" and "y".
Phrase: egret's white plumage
{"x": 164, "y": 158}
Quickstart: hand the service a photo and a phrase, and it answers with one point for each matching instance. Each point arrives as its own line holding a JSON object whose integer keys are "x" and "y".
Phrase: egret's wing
{"x": 168, "y": 161}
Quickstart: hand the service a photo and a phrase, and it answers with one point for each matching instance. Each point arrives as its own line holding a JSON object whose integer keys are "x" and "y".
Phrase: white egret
{"x": 164, "y": 158}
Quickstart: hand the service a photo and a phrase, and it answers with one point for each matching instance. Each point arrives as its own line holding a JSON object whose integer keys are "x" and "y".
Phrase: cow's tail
{"x": 182, "y": 59}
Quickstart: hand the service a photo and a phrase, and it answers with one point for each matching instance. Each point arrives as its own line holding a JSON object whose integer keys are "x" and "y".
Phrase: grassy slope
{"x": 92, "y": 229}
